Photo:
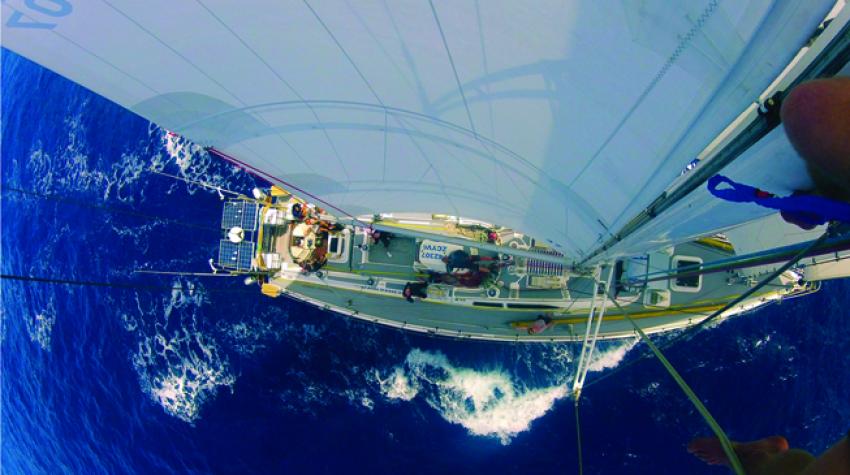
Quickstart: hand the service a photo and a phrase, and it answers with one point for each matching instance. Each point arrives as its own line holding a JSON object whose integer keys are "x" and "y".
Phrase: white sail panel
{"x": 558, "y": 118}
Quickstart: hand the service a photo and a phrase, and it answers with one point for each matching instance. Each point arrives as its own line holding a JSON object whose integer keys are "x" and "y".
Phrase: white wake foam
{"x": 247, "y": 337}
{"x": 487, "y": 403}
{"x": 610, "y": 355}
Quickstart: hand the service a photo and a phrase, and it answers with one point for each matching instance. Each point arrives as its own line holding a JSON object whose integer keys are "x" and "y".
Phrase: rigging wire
{"x": 192, "y": 274}
{"x": 771, "y": 256}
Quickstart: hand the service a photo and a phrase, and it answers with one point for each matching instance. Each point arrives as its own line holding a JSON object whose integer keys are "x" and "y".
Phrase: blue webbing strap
{"x": 810, "y": 208}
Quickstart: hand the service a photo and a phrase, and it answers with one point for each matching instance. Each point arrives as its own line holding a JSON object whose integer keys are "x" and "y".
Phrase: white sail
{"x": 561, "y": 119}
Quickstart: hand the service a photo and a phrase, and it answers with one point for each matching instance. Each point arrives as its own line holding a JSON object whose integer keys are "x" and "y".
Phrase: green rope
{"x": 712, "y": 423}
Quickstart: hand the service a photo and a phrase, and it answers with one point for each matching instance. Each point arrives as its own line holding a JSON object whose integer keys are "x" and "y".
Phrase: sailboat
{"x": 538, "y": 171}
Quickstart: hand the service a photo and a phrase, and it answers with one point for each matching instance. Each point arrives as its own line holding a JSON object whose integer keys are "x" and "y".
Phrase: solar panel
{"x": 250, "y": 216}
{"x": 232, "y": 215}
{"x": 235, "y": 255}
{"x": 246, "y": 253}
{"x": 240, "y": 213}
{"x": 228, "y": 254}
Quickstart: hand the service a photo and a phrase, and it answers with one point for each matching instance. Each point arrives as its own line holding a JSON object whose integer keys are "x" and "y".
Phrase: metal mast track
{"x": 588, "y": 346}
{"x": 827, "y": 63}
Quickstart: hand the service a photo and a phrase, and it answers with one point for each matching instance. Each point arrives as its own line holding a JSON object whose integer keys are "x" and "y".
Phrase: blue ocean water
{"x": 204, "y": 375}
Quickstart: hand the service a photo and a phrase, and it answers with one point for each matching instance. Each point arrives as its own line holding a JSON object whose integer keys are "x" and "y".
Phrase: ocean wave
{"x": 486, "y": 403}
{"x": 70, "y": 167}
{"x": 179, "y": 365}
{"x": 40, "y": 327}
{"x": 609, "y": 354}
{"x": 248, "y": 337}
{"x": 194, "y": 164}
{"x": 182, "y": 371}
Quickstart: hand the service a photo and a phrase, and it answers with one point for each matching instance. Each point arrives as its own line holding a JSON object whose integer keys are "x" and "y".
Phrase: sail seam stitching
{"x": 683, "y": 43}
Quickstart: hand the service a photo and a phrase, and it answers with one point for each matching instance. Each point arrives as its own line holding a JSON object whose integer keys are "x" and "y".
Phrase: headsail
{"x": 559, "y": 118}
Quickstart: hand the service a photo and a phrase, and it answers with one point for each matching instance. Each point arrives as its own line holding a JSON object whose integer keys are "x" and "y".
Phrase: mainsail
{"x": 559, "y": 118}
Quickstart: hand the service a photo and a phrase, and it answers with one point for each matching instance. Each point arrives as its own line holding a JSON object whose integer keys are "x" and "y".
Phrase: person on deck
{"x": 298, "y": 212}
{"x": 816, "y": 117}
{"x": 460, "y": 259}
{"x": 382, "y": 237}
{"x": 543, "y": 323}
{"x": 470, "y": 279}
{"x": 415, "y": 289}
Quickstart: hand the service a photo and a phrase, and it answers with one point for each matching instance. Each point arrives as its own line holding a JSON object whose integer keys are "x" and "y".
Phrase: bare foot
{"x": 709, "y": 450}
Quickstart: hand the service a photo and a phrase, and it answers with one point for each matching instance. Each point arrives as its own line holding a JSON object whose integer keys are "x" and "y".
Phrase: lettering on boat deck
{"x": 432, "y": 251}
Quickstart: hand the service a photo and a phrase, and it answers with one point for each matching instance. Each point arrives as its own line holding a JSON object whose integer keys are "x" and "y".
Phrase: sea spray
{"x": 491, "y": 403}
{"x": 486, "y": 403}
{"x": 40, "y": 327}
